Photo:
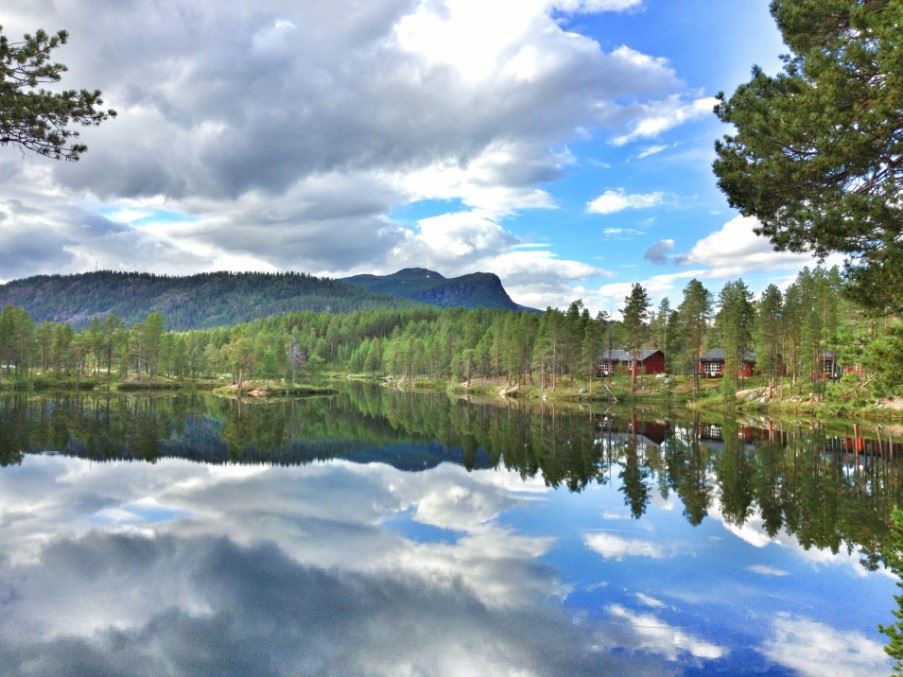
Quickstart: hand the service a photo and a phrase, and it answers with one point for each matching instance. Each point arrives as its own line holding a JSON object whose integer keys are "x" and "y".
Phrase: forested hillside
{"x": 219, "y": 299}
{"x": 194, "y": 302}
{"x": 477, "y": 290}
{"x": 789, "y": 331}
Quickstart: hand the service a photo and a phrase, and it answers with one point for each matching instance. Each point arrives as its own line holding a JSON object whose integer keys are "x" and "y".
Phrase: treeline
{"x": 790, "y": 332}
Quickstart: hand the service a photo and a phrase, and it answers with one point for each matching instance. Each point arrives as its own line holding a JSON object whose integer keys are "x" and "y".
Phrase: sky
{"x": 565, "y": 145}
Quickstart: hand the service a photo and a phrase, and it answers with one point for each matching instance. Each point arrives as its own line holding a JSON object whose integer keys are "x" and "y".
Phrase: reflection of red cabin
{"x": 711, "y": 364}
{"x": 651, "y": 362}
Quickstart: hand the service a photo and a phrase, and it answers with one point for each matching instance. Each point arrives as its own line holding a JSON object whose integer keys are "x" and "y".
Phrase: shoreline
{"x": 651, "y": 391}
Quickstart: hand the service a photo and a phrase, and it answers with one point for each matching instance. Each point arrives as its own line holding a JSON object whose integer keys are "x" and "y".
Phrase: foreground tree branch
{"x": 33, "y": 117}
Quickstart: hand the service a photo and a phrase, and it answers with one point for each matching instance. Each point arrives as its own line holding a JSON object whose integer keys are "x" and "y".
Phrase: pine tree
{"x": 694, "y": 312}
{"x": 734, "y": 323}
{"x": 635, "y": 313}
{"x": 769, "y": 333}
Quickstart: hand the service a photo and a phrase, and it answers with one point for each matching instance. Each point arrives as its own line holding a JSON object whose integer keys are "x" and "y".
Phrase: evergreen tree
{"x": 733, "y": 324}
{"x": 635, "y": 313}
{"x": 817, "y": 152}
{"x": 694, "y": 312}
{"x": 769, "y": 333}
{"x": 36, "y": 118}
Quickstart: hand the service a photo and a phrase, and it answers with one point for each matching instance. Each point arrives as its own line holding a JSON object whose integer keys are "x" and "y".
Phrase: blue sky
{"x": 565, "y": 145}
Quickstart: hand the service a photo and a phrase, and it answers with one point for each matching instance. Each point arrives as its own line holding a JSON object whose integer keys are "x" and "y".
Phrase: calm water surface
{"x": 383, "y": 533}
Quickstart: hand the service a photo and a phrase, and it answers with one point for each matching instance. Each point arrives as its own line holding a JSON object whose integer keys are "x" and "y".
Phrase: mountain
{"x": 218, "y": 299}
{"x": 476, "y": 290}
{"x": 192, "y": 302}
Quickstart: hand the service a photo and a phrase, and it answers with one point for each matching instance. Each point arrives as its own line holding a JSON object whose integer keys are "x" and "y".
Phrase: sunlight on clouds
{"x": 736, "y": 249}
{"x": 127, "y": 215}
{"x": 460, "y": 234}
{"x": 475, "y": 37}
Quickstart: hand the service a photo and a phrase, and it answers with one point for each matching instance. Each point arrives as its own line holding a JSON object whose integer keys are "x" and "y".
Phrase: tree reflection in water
{"x": 830, "y": 488}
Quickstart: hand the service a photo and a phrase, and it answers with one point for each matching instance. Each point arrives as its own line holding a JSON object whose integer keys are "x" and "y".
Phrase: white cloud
{"x": 459, "y": 234}
{"x": 656, "y": 636}
{"x": 617, "y": 548}
{"x": 589, "y": 6}
{"x": 612, "y": 294}
{"x": 812, "y": 648}
{"x": 612, "y": 201}
{"x": 765, "y": 570}
{"x": 622, "y": 233}
{"x": 651, "y": 602}
{"x": 660, "y": 116}
{"x": 289, "y": 133}
{"x": 735, "y": 249}
{"x": 648, "y": 151}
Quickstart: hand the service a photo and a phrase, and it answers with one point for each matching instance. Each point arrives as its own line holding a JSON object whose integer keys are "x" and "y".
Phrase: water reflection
{"x": 293, "y": 537}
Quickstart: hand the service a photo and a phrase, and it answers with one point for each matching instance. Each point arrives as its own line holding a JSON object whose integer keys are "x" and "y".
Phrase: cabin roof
{"x": 624, "y": 355}
{"x": 717, "y": 355}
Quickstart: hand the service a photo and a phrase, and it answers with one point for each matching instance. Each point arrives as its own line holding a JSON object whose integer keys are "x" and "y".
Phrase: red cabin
{"x": 650, "y": 362}
{"x": 711, "y": 364}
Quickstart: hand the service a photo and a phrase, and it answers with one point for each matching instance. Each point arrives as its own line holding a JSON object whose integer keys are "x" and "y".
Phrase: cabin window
{"x": 713, "y": 368}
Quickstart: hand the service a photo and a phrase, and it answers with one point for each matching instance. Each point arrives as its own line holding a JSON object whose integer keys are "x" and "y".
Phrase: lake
{"x": 379, "y": 532}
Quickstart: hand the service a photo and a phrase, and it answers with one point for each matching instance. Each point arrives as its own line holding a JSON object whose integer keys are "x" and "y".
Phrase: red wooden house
{"x": 830, "y": 368}
{"x": 711, "y": 364}
{"x": 650, "y": 362}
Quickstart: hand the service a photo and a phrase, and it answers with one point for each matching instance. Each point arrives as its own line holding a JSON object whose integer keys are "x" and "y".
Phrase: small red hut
{"x": 650, "y": 362}
{"x": 711, "y": 364}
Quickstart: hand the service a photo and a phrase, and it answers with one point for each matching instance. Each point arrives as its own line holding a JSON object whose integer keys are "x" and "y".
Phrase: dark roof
{"x": 624, "y": 355}
{"x": 717, "y": 355}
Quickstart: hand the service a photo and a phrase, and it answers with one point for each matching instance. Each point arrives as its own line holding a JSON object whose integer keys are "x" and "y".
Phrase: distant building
{"x": 830, "y": 368}
{"x": 711, "y": 364}
{"x": 650, "y": 362}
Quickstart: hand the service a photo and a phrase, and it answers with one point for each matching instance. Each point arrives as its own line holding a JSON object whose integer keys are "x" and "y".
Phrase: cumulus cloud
{"x": 735, "y": 249}
{"x": 613, "y": 201}
{"x": 812, "y": 648}
{"x": 658, "y": 251}
{"x": 218, "y": 582}
{"x": 290, "y": 133}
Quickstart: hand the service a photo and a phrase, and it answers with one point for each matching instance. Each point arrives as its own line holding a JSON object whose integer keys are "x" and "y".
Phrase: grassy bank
{"x": 260, "y": 389}
{"x": 843, "y": 399}
{"x": 649, "y": 389}
{"x": 66, "y": 383}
